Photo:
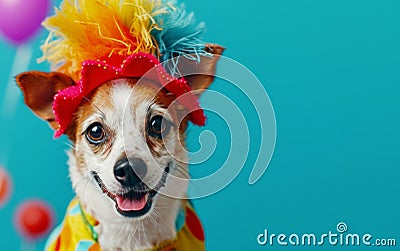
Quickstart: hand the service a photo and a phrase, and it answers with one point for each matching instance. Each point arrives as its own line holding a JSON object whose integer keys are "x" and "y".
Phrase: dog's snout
{"x": 130, "y": 172}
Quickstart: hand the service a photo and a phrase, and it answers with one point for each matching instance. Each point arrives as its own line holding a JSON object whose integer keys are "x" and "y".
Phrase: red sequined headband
{"x": 96, "y": 72}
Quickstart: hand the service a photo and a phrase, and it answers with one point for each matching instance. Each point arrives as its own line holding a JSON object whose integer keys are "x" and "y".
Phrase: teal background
{"x": 331, "y": 69}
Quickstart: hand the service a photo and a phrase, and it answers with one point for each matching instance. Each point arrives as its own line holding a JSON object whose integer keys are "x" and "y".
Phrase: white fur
{"x": 117, "y": 232}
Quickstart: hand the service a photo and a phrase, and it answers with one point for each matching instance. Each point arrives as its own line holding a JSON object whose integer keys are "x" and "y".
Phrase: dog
{"x": 127, "y": 162}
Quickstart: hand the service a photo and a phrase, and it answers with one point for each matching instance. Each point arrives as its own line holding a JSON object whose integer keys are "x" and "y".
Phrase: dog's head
{"x": 127, "y": 136}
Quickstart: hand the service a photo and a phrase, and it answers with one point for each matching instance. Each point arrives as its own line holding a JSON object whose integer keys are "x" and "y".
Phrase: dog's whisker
{"x": 80, "y": 181}
{"x": 159, "y": 217}
{"x": 70, "y": 145}
{"x": 136, "y": 228}
{"x": 153, "y": 220}
{"x": 186, "y": 173}
{"x": 140, "y": 231}
{"x": 145, "y": 233}
{"x": 184, "y": 170}
{"x": 161, "y": 209}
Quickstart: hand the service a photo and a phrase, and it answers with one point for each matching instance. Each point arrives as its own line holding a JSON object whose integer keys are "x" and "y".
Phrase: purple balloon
{"x": 21, "y": 19}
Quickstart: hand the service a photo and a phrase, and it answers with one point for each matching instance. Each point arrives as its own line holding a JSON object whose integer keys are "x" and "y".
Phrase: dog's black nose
{"x": 130, "y": 172}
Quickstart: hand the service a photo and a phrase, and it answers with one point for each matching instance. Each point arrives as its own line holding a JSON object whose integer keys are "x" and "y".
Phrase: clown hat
{"x": 95, "y": 41}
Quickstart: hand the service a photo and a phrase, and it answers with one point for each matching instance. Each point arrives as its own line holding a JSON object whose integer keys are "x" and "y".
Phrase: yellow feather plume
{"x": 89, "y": 29}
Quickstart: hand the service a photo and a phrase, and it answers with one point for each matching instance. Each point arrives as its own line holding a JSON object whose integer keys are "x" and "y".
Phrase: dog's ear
{"x": 39, "y": 89}
{"x": 204, "y": 70}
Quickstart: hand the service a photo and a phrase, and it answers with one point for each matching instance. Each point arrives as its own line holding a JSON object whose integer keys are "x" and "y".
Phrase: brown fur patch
{"x": 76, "y": 132}
{"x": 162, "y": 98}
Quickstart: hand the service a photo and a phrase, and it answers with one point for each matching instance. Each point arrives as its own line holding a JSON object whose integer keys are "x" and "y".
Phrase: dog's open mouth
{"x": 137, "y": 201}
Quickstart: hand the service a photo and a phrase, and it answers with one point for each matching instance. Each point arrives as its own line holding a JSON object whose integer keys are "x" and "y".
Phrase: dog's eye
{"x": 158, "y": 126}
{"x": 95, "y": 133}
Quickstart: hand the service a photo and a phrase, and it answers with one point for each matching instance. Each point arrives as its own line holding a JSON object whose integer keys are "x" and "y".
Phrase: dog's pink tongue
{"x": 128, "y": 204}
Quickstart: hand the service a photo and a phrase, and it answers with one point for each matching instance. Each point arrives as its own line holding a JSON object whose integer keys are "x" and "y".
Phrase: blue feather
{"x": 179, "y": 35}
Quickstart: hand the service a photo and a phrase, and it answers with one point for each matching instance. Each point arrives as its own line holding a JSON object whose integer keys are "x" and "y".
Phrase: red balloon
{"x": 5, "y": 186}
{"x": 34, "y": 218}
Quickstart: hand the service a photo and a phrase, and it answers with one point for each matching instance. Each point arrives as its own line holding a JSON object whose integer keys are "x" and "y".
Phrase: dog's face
{"x": 128, "y": 140}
